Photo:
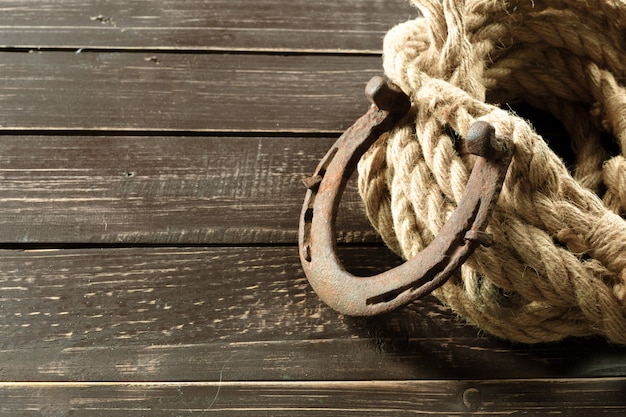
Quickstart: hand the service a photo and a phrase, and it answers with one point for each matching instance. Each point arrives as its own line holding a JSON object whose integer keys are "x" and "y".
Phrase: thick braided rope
{"x": 558, "y": 264}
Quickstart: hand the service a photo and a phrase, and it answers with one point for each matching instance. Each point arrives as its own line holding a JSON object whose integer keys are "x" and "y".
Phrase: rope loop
{"x": 557, "y": 267}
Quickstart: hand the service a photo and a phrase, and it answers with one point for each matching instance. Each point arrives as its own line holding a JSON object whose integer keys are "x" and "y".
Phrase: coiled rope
{"x": 558, "y": 264}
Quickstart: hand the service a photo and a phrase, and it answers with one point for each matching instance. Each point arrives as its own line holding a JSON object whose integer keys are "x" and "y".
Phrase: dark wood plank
{"x": 580, "y": 397}
{"x": 259, "y": 25}
{"x": 239, "y": 314}
{"x": 162, "y": 190}
{"x": 183, "y": 92}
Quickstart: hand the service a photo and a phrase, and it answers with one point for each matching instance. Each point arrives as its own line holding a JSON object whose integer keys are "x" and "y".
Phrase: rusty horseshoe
{"x": 463, "y": 232}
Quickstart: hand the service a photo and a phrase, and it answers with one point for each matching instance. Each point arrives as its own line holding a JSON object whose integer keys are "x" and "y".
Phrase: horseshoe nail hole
{"x": 308, "y": 219}
{"x": 326, "y": 161}
{"x": 308, "y": 215}
{"x": 390, "y": 295}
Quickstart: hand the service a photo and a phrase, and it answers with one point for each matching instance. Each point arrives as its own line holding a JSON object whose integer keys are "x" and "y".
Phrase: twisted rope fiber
{"x": 558, "y": 264}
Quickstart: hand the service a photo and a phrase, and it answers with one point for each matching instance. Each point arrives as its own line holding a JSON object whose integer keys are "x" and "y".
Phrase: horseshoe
{"x": 463, "y": 232}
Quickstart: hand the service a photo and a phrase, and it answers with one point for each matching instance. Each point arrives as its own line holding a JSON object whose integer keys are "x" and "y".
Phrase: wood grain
{"x": 151, "y": 156}
{"x": 60, "y": 91}
{"x": 239, "y": 314}
{"x": 372, "y": 398}
{"x": 162, "y": 190}
{"x": 259, "y": 25}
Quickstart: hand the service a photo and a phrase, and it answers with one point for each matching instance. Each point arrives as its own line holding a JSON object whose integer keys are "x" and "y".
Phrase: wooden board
{"x": 162, "y": 190}
{"x": 164, "y": 314}
{"x": 148, "y": 92}
{"x": 374, "y": 398}
{"x": 352, "y": 26}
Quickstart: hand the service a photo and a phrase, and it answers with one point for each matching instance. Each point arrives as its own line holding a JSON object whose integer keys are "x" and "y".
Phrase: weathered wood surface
{"x": 162, "y": 190}
{"x": 346, "y": 398}
{"x": 151, "y": 157}
{"x": 164, "y": 314}
{"x": 349, "y": 26}
{"x": 212, "y": 93}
